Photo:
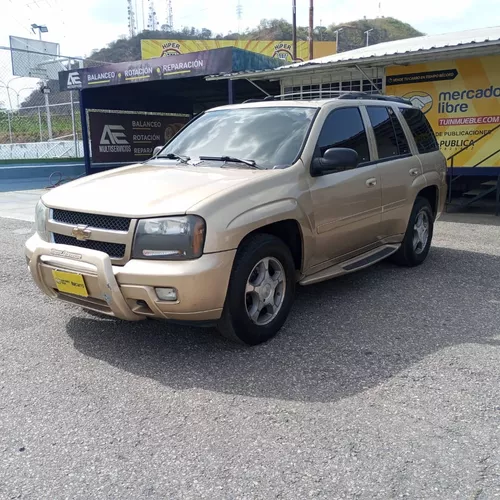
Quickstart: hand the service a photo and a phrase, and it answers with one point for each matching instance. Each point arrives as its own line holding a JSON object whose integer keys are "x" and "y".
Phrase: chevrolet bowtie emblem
{"x": 81, "y": 233}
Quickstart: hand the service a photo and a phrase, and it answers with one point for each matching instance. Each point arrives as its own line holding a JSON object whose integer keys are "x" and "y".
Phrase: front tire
{"x": 418, "y": 237}
{"x": 261, "y": 291}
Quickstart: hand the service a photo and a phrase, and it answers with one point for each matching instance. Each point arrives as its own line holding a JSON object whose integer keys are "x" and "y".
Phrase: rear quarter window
{"x": 421, "y": 130}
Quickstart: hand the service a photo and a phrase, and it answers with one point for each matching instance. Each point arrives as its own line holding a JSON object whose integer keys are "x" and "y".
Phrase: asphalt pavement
{"x": 383, "y": 384}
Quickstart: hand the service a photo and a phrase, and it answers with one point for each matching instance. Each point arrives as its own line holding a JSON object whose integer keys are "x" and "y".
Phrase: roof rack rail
{"x": 333, "y": 94}
{"x": 378, "y": 97}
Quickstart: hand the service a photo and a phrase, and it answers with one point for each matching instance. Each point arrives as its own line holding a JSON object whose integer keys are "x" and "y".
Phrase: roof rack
{"x": 378, "y": 97}
{"x": 333, "y": 94}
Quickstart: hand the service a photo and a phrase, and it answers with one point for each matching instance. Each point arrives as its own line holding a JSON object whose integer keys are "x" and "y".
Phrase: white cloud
{"x": 71, "y": 23}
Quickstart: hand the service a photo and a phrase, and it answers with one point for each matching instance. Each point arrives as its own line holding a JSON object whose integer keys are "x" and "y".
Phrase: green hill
{"x": 384, "y": 29}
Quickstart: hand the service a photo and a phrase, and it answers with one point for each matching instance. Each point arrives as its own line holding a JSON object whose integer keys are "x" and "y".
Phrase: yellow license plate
{"x": 70, "y": 283}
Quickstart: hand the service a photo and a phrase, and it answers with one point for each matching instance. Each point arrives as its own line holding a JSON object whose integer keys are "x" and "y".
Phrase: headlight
{"x": 41, "y": 217}
{"x": 169, "y": 238}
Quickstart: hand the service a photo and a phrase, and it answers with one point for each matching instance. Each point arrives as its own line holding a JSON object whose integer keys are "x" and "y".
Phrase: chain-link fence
{"x": 36, "y": 119}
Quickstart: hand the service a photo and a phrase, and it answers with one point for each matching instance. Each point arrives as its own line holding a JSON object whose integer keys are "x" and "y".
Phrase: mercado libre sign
{"x": 210, "y": 62}
{"x": 461, "y": 99}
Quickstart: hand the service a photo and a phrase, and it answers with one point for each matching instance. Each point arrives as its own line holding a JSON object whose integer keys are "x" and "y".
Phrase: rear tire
{"x": 418, "y": 237}
{"x": 261, "y": 291}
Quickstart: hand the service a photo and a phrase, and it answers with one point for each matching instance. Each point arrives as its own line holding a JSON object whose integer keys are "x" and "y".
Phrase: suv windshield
{"x": 269, "y": 136}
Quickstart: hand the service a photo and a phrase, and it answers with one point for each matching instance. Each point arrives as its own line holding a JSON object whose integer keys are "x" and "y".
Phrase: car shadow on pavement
{"x": 344, "y": 336}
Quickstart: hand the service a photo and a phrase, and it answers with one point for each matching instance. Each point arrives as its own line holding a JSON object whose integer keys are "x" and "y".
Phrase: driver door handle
{"x": 371, "y": 182}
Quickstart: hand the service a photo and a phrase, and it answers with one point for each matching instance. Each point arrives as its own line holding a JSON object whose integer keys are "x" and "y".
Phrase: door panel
{"x": 346, "y": 205}
{"x": 347, "y": 212}
{"x": 397, "y": 177}
{"x": 397, "y": 167}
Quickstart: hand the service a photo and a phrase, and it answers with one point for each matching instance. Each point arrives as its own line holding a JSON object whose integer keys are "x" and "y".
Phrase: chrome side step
{"x": 351, "y": 265}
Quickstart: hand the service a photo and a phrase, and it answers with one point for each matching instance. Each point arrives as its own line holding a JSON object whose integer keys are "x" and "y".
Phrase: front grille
{"x": 114, "y": 250}
{"x": 91, "y": 220}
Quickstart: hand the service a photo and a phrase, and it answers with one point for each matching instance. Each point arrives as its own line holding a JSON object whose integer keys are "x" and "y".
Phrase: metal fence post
{"x": 40, "y": 123}
{"x": 10, "y": 126}
{"x": 49, "y": 121}
{"x": 73, "y": 125}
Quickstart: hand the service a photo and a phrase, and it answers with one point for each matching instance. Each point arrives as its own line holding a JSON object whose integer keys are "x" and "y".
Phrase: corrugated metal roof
{"x": 428, "y": 42}
{"x": 390, "y": 50}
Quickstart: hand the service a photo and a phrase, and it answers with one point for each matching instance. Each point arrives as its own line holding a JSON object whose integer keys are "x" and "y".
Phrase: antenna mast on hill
{"x": 131, "y": 19}
{"x": 152, "y": 18}
{"x": 239, "y": 13}
{"x": 170, "y": 15}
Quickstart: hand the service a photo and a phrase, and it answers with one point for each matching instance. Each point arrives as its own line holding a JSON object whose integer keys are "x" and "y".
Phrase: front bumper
{"x": 128, "y": 292}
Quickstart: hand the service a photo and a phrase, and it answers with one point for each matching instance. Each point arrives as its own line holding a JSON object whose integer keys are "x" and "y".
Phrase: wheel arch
{"x": 289, "y": 231}
{"x": 431, "y": 194}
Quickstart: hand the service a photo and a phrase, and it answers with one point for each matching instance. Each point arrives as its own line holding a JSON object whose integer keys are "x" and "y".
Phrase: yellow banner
{"x": 280, "y": 49}
{"x": 461, "y": 99}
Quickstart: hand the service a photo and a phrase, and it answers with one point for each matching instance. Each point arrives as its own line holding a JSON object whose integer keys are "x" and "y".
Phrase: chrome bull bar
{"x": 68, "y": 257}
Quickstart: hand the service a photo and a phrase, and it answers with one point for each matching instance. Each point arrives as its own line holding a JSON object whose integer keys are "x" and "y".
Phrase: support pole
{"x": 73, "y": 124}
{"x": 230, "y": 97}
{"x": 85, "y": 135}
{"x": 49, "y": 120}
{"x": 294, "y": 30}
{"x": 40, "y": 124}
{"x": 497, "y": 210}
{"x": 257, "y": 86}
{"x": 10, "y": 125}
{"x": 311, "y": 29}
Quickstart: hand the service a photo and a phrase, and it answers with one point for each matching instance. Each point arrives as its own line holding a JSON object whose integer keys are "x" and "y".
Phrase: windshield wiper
{"x": 232, "y": 159}
{"x": 173, "y": 156}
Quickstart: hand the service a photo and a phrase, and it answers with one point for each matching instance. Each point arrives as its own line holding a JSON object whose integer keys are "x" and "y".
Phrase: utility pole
{"x": 337, "y": 38}
{"x": 294, "y": 30}
{"x": 311, "y": 29}
{"x": 367, "y": 33}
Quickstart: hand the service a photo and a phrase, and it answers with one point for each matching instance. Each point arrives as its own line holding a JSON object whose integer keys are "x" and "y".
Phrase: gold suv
{"x": 241, "y": 205}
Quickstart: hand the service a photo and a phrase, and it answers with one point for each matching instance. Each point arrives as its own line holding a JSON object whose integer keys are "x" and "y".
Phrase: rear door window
{"x": 404, "y": 147}
{"x": 344, "y": 128}
{"x": 389, "y": 135}
{"x": 387, "y": 143}
{"x": 421, "y": 130}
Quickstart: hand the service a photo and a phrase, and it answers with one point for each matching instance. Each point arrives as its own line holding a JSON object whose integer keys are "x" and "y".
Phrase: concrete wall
{"x": 39, "y": 175}
{"x": 34, "y": 150}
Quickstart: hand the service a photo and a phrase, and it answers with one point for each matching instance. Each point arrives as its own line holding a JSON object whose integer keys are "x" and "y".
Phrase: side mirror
{"x": 334, "y": 160}
{"x": 157, "y": 150}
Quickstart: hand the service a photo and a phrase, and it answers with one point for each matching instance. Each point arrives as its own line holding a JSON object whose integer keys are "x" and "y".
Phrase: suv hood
{"x": 159, "y": 188}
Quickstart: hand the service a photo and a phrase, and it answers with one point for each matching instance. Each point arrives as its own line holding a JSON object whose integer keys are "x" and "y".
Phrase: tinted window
{"x": 268, "y": 135}
{"x": 389, "y": 134}
{"x": 403, "y": 146}
{"x": 387, "y": 143}
{"x": 420, "y": 129}
{"x": 344, "y": 128}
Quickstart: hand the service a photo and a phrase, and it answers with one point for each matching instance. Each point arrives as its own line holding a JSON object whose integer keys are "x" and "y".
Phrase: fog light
{"x": 169, "y": 294}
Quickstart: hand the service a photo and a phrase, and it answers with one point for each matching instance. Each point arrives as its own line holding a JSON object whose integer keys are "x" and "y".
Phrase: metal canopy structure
{"x": 470, "y": 43}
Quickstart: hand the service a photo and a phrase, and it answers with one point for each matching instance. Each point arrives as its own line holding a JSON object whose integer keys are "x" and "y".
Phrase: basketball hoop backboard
{"x": 36, "y": 58}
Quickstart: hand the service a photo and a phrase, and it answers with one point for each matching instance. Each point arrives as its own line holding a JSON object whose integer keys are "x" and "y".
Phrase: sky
{"x": 80, "y": 26}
